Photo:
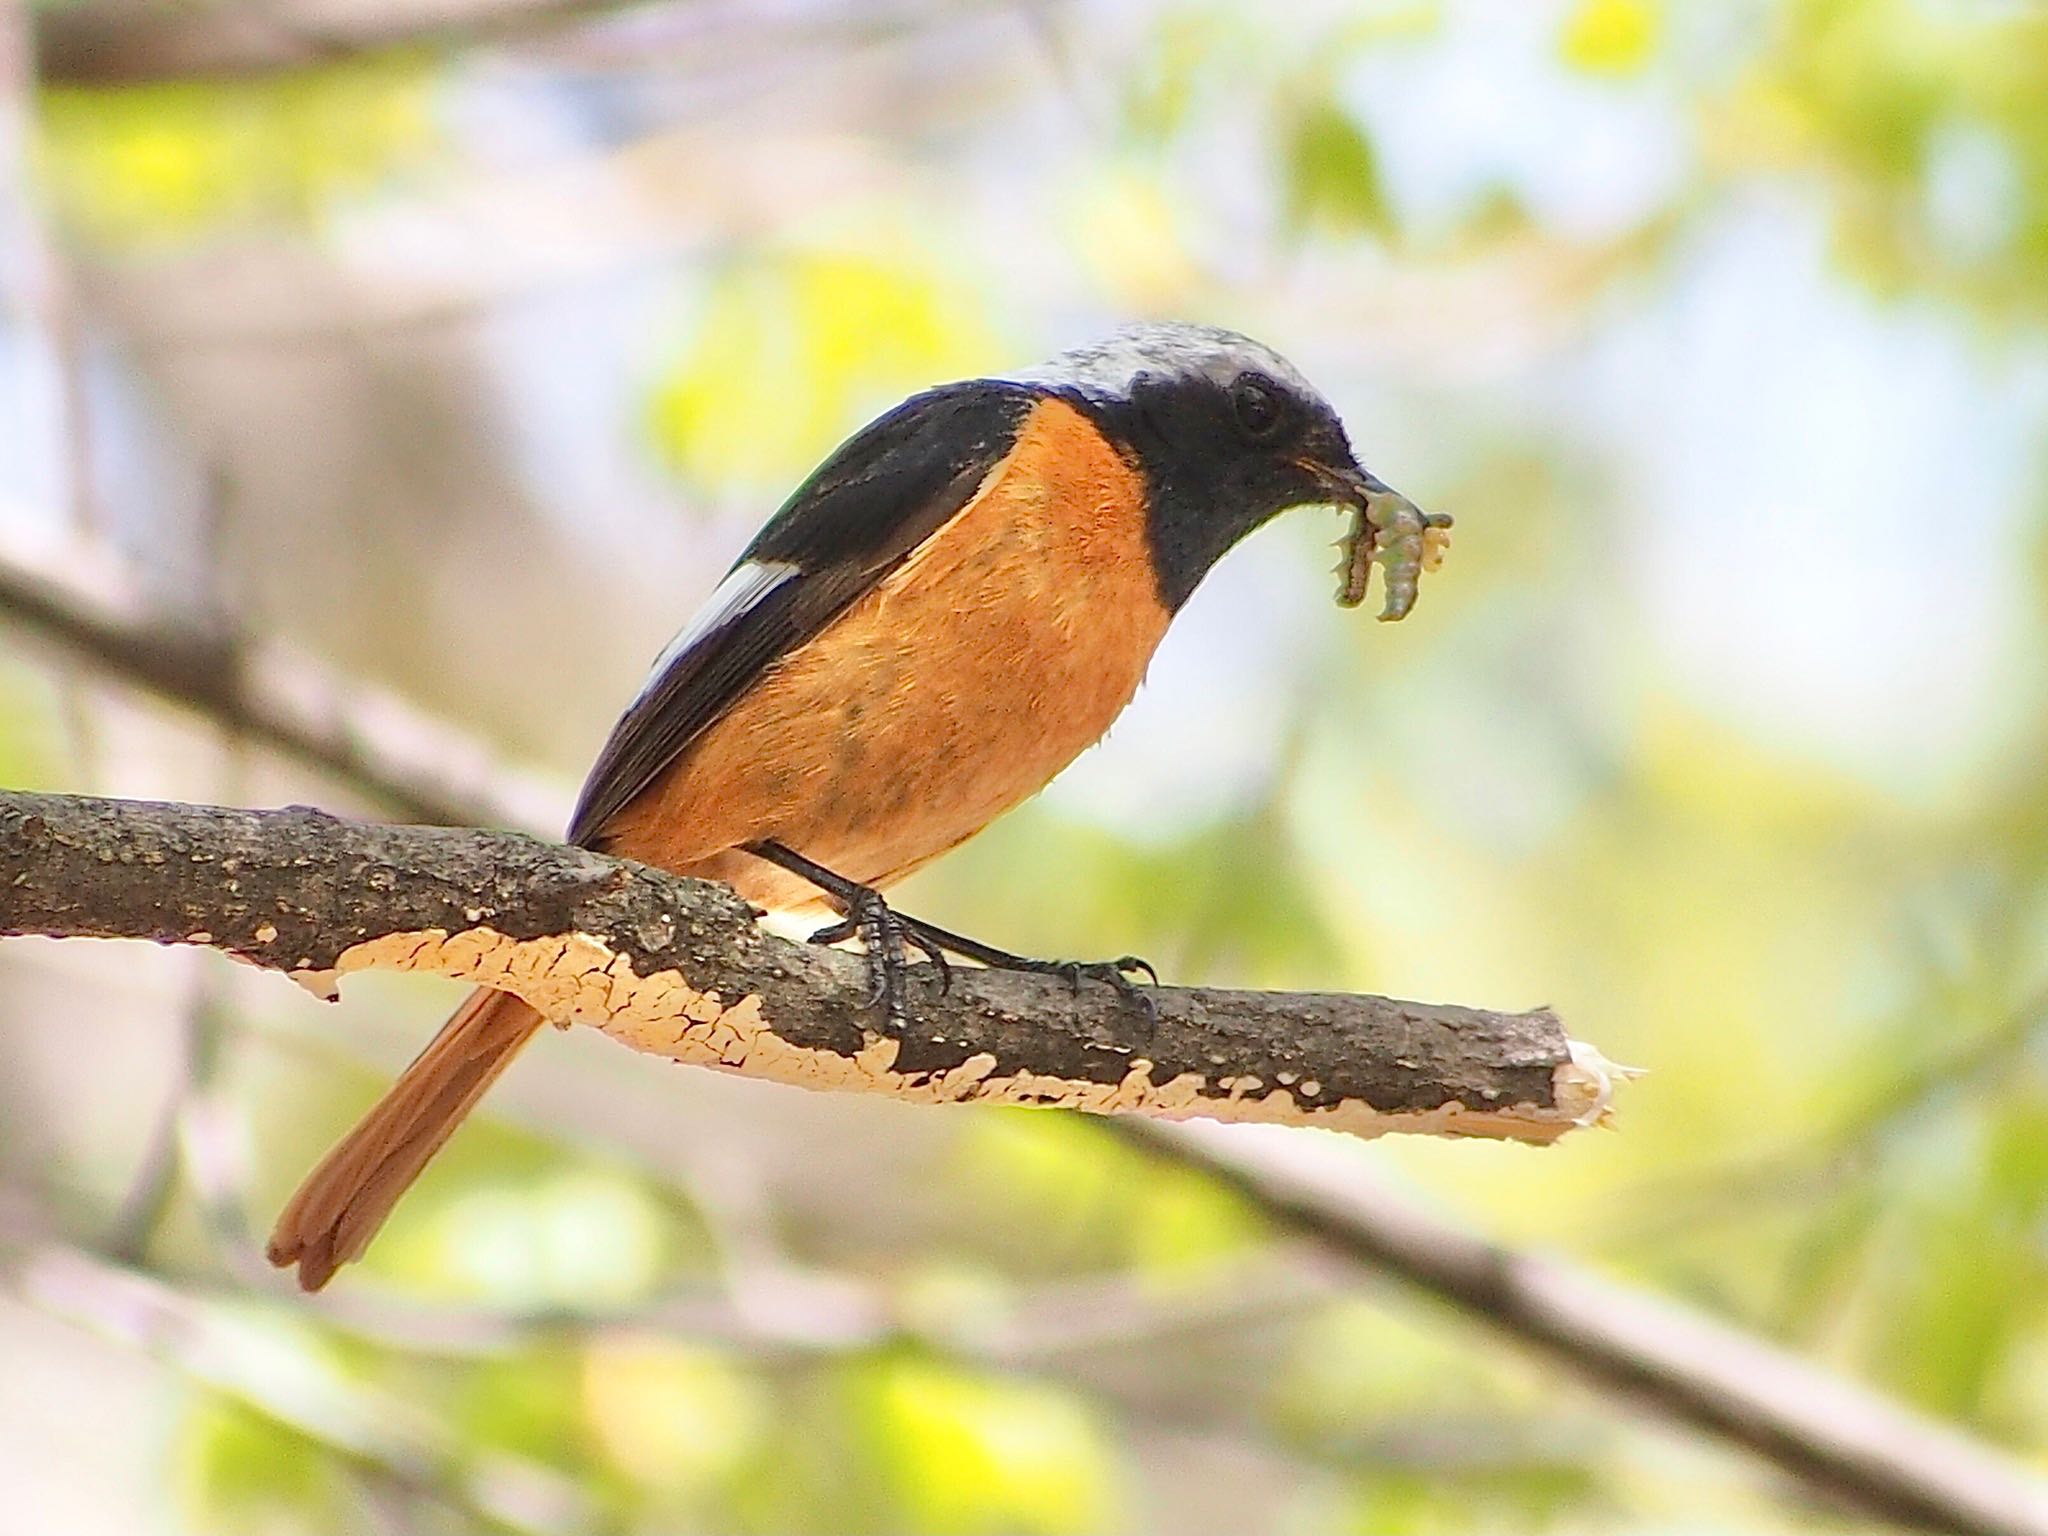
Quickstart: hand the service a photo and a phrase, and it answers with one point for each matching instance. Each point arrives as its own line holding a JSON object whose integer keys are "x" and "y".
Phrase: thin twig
{"x": 127, "y": 43}
{"x": 395, "y": 1441}
{"x": 1872, "y": 1454}
{"x": 1055, "y": 1332}
{"x": 1822, "y": 1161}
{"x": 269, "y": 696}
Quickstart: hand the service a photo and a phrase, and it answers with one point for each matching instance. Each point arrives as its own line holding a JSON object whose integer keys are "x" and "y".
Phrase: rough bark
{"x": 680, "y": 967}
{"x": 1736, "y": 1387}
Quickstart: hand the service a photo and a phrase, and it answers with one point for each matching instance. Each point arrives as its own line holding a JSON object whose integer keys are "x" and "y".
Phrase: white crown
{"x": 1109, "y": 367}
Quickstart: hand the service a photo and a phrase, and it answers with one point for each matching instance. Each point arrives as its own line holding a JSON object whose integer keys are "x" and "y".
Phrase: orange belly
{"x": 1005, "y": 645}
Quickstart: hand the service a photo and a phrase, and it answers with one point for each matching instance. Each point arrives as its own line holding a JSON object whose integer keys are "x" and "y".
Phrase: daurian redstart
{"x": 958, "y": 601}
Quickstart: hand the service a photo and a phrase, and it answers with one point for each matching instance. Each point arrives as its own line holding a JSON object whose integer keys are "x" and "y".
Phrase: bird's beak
{"x": 1352, "y": 483}
{"x": 1388, "y": 530}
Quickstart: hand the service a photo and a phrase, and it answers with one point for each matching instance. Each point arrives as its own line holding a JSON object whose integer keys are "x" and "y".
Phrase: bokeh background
{"x": 456, "y": 345}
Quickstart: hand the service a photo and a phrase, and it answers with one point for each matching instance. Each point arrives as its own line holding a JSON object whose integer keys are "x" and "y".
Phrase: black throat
{"x": 1196, "y": 470}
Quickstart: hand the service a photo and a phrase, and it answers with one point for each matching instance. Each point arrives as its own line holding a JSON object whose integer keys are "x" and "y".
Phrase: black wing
{"x": 884, "y": 491}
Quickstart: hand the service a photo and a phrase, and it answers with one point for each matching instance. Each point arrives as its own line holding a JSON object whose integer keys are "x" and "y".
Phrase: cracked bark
{"x": 680, "y": 968}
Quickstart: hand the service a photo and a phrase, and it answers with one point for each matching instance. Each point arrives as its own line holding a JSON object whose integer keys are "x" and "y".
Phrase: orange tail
{"x": 343, "y": 1202}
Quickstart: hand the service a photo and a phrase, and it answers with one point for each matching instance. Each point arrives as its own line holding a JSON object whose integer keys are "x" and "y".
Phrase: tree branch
{"x": 114, "y": 44}
{"x": 1875, "y": 1455}
{"x": 268, "y": 695}
{"x": 233, "y": 1354}
{"x": 1679, "y": 1363}
{"x": 680, "y": 968}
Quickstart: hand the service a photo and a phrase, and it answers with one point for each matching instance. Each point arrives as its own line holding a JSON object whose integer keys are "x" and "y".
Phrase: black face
{"x": 1221, "y": 459}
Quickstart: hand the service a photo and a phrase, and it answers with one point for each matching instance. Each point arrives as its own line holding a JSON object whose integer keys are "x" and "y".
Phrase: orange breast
{"x": 1005, "y": 645}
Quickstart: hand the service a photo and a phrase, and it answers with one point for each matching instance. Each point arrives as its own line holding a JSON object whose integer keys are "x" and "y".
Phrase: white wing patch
{"x": 741, "y": 590}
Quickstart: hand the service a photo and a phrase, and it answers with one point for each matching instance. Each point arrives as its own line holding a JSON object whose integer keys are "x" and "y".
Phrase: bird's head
{"x": 1229, "y": 434}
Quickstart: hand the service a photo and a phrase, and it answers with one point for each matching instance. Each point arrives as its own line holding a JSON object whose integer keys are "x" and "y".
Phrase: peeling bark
{"x": 680, "y": 968}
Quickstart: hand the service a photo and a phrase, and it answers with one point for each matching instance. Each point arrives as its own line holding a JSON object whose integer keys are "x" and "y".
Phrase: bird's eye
{"x": 1257, "y": 406}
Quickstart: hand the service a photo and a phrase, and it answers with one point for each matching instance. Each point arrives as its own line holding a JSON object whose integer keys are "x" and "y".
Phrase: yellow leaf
{"x": 671, "y": 1415}
{"x": 1611, "y": 37}
{"x": 792, "y": 353}
{"x": 969, "y": 1455}
{"x": 1127, "y": 230}
{"x": 133, "y": 165}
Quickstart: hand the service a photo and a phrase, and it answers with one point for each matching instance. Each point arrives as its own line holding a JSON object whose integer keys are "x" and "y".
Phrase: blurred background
{"x": 450, "y": 348}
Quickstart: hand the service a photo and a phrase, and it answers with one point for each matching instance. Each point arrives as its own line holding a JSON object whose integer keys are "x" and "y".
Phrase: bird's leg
{"x": 1114, "y": 973}
{"x": 887, "y": 934}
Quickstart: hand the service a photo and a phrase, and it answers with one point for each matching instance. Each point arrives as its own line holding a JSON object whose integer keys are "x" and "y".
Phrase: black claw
{"x": 884, "y": 936}
{"x": 1111, "y": 973}
{"x": 836, "y": 933}
{"x": 888, "y": 937}
{"x": 1143, "y": 999}
{"x": 1108, "y": 972}
{"x": 879, "y": 984}
{"x": 884, "y": 944}
{"x": 931, "y": 949}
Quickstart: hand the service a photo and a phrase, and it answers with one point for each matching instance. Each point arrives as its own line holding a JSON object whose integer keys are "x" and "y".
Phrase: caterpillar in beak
{"x": 1390, "y": 531}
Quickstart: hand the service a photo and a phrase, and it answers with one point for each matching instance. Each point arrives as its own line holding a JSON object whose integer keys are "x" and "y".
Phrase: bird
{"x": 954, "y": 605}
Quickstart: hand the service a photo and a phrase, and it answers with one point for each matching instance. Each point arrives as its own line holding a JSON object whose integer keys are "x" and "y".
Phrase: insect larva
{"x": 1392, "y": 532}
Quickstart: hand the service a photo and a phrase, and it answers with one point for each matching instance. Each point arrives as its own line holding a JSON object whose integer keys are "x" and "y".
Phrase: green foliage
{"x": 239, "y": 1471}
{"x": 505, "y": 1217}
{"x": 789, "y": 351}
{"x": 1359, "y": 1362}
{"x": 1843, "y": 1141}
{"x": 1928, "y": 123}
{"x": 1331, "y": 172}
{"x": 948, "y": 1452}
{"x": 31, "y": 738}
{"x": 1512, "y": 1498}
{"x": 1954, "y": 1270}
{"x": 1074, "y": 1199}
{"x": 684, "y": 1424}
{"x": 528, "y": 1404}
{"x": 1611, "y": 37}
{"x": 1179, "y": 903}
{"x": 565, "y": 1236}
{"x": 1166, "y": 88}
{"x": 149, "y": 164}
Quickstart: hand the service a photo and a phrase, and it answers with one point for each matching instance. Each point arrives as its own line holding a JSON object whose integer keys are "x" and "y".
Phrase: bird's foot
{"x": 1117, "y": 973}
{"x": 889, "y": 937}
